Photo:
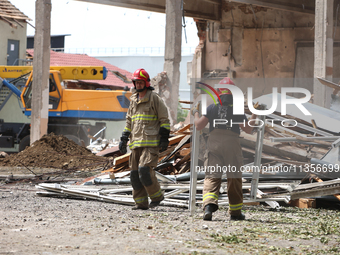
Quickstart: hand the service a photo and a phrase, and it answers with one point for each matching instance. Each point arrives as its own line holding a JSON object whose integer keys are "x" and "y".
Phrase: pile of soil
{"x": 55, "y": 151}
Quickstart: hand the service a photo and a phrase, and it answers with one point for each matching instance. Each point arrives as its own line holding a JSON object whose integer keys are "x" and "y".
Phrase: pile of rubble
{"x": 301, "y": 158}
{"x": 52, "y": 154}
{"x": 301, "y": 146}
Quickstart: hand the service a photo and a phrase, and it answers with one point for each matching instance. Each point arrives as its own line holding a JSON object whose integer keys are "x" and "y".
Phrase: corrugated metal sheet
{"x": 324, "y": 118}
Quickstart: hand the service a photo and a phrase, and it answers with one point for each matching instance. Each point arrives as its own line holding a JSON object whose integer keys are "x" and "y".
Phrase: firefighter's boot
{"x": 208, "y": 211}
{"x": 241, "y": 216}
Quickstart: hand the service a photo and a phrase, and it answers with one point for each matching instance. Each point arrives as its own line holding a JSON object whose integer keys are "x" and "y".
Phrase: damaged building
{"x": 259, "y": 44}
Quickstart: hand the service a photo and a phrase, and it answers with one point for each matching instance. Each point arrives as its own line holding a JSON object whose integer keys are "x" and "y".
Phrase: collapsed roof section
{"x": 12, "y": 15}
{"x": 324, "y": 118}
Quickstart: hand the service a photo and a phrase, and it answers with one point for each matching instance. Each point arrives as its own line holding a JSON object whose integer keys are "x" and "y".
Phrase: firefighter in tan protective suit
{"x": 224, "y": 149}
{"x": 147, "y": 126}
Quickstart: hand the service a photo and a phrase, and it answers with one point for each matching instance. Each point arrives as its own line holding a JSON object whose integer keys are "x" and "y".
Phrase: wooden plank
{"x": 329, "y": 83}
{"x": 185, "y": 151}
{"x": 183, "y": 140}
{"x": 251, "y": 203}
{"x": 183, "y": 160}
{"x": 121, "y": 159}
{"x": 183, "y": 128}
{"x": 176, "y": 139}
{"x": 8, "y": 21}
{"x": 166, "y": 152}
{"x": 310, "y": 139}
{"x": 185, "y": 168}
{"x": 303, "y": 203}
{"x": 272, "y": 148}
{"x": 185, "y": 102}
{"x": 115, "y": 169}
{"x": 124, "y": 158}
{"x": 184, "y": 133}
{"x": 319, "y": 180}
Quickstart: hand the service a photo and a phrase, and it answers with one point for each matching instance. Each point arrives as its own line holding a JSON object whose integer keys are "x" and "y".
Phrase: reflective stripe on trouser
{"x": 211, "y": 191}
{"x": 224, "y": 149}
{"x": 141, "y": 198}
{"x": 141, "y": 157}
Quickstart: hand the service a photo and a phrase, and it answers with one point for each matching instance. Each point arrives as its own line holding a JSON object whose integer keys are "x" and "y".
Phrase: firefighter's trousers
{"x": 224, "y": 154}
{"x": 143, "y": 177}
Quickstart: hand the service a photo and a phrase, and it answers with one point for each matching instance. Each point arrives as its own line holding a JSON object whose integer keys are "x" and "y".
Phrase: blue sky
{"x": 103, "y": 26}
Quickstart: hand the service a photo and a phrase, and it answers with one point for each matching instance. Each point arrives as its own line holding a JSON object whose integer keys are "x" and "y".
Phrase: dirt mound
{"x": 55, "y": 151}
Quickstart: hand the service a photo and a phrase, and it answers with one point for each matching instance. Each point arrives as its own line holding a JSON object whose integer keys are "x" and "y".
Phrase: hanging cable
{"x": 336, "y": 21}
{"x": 184, "y": 25}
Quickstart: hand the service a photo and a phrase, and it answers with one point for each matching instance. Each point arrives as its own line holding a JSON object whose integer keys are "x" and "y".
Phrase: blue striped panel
{"x": 86, "y": 115}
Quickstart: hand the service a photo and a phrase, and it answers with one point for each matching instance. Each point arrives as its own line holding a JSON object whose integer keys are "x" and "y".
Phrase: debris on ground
{"x": 3, "y": 154}
{"x": 289, "y": 148}
{"x": 55, "y": 152}
{"x": 298, "y": 149}
{"x": 33, "y": 224}
{"x": 101, "y": 144}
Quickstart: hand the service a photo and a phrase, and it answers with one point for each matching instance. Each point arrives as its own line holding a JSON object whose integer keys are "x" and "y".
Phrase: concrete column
{"x": 323, "y": 51}
{"x": 172, "y": 54}
{"x": 198, "y": 60}
{"x": 41, "y": 67}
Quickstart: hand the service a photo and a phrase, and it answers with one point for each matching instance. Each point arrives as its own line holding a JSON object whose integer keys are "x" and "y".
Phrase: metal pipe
{"x": 14, "y": 89}
{"x": 91, "y": 142}
{"x": 164, "y": 178}
{"x": 259, "y": 200}
{"x": 303, "y": 126}
{"x": 168, "y": 178}
{"x": 257, "y": 160}
{"x": 193, "y": 173}
{"x": 294, "y": 139}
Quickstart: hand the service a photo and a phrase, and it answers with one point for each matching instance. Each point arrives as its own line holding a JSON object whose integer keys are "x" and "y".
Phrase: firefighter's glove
{"x": 122, "y": 147}
{"x": 164, "y": 141}
{"x": 196, "y": 108}
{"x": 163, "y": 144}
{"x": 123, "y": 142}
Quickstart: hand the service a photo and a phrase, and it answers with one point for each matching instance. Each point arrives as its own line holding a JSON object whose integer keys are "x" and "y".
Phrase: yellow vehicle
{"x": 67, "y": 106}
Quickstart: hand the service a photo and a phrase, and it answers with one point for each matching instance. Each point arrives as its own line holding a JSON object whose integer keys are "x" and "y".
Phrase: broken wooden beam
{"x": 319, "y": 180}
{"x": 296, "y": 154}
{"x": 125, "y": 158}
{"x": 303, "y": 203}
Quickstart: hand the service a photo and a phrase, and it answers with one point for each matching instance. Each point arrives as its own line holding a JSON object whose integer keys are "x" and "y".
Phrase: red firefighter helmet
{"x": 141, "y": 74}
{"x": 225, "y": 91}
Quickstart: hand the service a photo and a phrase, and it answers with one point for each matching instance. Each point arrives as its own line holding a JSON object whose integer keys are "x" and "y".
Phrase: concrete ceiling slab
{"x": 201, "y": 9}
{"x": 301, "y": 6}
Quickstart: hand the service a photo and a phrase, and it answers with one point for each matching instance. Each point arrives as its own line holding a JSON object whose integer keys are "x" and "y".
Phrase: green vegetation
{"x": 181, "y": 113}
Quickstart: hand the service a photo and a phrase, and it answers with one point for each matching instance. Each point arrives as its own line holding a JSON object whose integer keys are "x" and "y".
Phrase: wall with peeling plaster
{"x": 262, "y": 48}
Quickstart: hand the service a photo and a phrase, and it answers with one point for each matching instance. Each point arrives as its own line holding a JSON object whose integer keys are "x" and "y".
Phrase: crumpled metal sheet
{"x": 324, "y": 118}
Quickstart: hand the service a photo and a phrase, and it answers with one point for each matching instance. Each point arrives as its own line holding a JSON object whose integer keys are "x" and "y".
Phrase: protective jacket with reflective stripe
{"x": 144, "y": 119}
